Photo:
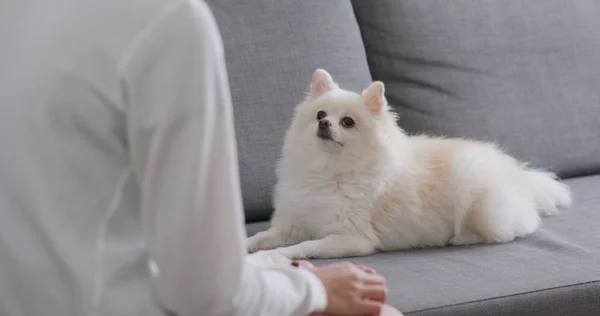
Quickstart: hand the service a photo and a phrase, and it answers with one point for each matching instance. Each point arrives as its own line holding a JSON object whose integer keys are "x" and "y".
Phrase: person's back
{"x": 64, "y": 167}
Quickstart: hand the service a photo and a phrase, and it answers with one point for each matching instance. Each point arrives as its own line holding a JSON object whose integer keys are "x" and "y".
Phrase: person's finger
{"x": 367, "y": 307}
{"x": 374, "y": 292}
{"x": 372, "y": 278}
{"x": 366, "y": 269}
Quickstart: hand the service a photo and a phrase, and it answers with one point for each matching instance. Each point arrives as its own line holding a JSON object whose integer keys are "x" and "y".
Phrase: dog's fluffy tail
{"x": 549, "y": 192}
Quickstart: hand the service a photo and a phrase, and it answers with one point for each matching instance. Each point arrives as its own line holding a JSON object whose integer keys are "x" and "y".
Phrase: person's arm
{"x": 182, "y": 143}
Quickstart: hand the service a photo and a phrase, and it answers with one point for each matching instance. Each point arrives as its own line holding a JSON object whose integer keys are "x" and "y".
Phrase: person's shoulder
{"x": 148, "y": 16}
{"x": 187, "y": 25}
{"x": 131, "y": 17}
{"x": 120, "y": 28}
{"x": 122, "y": 21}
{"x": 154, "y": 11}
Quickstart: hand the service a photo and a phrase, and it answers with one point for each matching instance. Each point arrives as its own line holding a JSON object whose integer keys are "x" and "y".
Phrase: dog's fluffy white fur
{"x": 355, "y": 189}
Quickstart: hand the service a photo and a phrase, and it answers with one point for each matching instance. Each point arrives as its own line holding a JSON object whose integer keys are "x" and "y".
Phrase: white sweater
{"x": 118, "y": 153}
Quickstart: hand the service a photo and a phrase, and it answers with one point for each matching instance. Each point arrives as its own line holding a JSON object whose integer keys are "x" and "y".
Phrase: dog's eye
{"x": 321, "y": 115}
{"x": 347, "y": 122}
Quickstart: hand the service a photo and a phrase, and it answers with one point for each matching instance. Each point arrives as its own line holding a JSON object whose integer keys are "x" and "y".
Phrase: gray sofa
{"x": 522, "y": 73}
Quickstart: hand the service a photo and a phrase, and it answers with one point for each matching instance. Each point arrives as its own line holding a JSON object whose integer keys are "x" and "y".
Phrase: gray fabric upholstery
{"x": 523, "y": 73}
{"x": 255, "y": 227}
{"x": 553, "y": 272}
{"x": 570, "y": 300}
{"x": 272, "y": 48}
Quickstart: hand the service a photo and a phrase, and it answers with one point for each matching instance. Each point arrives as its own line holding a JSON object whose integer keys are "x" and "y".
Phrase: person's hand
{"x": 386, "y": 310}
{"x": 351, "y": 289}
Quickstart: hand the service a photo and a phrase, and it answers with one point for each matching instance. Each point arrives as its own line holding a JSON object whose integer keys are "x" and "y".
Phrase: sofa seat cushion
{"x": 556, "y": 271}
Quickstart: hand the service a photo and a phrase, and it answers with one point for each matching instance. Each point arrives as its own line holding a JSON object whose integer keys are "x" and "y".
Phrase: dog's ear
{"x": 374, "y": 97}
{"x": 321, "y": 83}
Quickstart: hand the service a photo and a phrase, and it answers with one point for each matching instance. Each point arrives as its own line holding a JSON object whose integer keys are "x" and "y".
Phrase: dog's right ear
{"x": 321, "y": 83}
{"x": 374, "y": 97}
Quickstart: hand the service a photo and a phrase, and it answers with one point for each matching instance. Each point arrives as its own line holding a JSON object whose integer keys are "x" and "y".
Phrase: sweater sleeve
{"x": 183, "y": 152}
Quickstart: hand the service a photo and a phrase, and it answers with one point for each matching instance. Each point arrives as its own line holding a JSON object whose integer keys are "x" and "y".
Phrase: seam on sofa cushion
{"x": 501, "y": 297}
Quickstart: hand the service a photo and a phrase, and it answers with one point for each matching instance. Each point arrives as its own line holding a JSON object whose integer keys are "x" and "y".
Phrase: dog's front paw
{"x": 263, "y": 241}
{"x": 293, "y": 253}
{"x": 253, "y": 244}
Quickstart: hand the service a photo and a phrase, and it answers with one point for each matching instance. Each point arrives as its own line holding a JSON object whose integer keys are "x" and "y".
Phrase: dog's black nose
{"x": 324, "y": 124}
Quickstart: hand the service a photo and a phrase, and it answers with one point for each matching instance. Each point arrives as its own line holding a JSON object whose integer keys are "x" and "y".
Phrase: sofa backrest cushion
{"x": 272, "y": 48}
{"x": 522, "y": 73}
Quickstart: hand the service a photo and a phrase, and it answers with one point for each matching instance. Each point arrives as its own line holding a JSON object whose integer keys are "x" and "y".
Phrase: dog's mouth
{"x": 325, "y": 134}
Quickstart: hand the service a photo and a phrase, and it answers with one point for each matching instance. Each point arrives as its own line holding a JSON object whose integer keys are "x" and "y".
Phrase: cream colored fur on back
{"x": 372, "y": 188}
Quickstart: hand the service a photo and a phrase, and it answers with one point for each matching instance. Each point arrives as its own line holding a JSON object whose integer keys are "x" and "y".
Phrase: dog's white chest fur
{"x": 314, "y": 208}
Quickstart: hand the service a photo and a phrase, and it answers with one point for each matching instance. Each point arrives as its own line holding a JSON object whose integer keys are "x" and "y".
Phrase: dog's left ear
{"x": 374, "y": 97}
{"x": 321, "y": 82}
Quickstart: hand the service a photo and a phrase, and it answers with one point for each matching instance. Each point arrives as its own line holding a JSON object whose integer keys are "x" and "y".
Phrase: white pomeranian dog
{"x": 352, "y": 183}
